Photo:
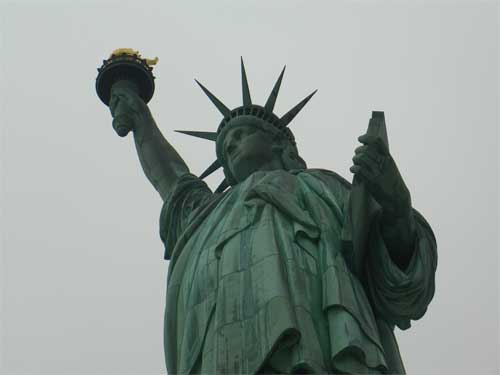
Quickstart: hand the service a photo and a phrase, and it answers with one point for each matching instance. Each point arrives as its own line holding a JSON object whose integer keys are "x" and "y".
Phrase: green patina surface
{"x": 258, "y": 275}
{"x": 282, "y": 269}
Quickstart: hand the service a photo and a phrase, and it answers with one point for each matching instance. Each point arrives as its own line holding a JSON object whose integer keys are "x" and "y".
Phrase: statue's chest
{"x": 239, "y": 255}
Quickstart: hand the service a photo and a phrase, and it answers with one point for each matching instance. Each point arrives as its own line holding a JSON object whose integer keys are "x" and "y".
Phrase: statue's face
{"x": 248, "y": 148}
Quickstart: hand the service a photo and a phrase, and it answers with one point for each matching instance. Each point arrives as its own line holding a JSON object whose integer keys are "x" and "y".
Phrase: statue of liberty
{"x": 282, "y": 269}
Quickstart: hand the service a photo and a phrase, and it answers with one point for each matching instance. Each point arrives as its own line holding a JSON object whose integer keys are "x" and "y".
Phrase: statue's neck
{"x": 271, "y": 165}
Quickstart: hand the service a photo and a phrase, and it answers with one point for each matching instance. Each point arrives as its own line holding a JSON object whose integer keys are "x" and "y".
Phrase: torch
{"x": 127, "y": 67}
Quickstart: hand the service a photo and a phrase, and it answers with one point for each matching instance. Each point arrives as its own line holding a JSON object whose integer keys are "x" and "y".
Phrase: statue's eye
{"x": 230, "y": 148}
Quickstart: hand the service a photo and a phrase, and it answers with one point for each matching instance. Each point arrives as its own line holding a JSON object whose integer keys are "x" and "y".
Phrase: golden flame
{"x": 131, "y": 52}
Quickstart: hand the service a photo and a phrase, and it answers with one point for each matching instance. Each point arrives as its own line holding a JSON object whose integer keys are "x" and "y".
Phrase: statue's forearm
{"x": 159, "y": 160}
{"x": 399, "y": 237}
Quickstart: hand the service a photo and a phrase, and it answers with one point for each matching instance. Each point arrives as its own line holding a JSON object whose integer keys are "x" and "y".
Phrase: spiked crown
{"x": 264, "y": 113}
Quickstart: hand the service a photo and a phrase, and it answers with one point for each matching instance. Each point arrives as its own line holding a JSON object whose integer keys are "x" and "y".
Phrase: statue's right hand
{"x": 126, "y": 107}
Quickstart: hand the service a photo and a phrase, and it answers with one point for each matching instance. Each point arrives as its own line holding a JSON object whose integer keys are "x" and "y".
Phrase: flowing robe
{"x": 257, "y": 277}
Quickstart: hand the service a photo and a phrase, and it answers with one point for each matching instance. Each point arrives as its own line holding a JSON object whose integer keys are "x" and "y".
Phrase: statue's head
{"x": 249, "y": 143}
{"x": 251, "y": 137}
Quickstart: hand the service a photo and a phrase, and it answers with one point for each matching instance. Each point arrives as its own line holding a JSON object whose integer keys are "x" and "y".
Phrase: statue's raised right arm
{"x": 161, "y": 163}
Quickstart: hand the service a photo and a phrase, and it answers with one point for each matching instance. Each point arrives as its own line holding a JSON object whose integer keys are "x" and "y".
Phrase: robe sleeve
{"x": 397, "y": 295}
{"x": 189, "y": 194}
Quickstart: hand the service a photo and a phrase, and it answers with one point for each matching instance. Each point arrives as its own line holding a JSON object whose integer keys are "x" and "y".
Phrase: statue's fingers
{"x": 359, "y": 149}
{"x": 129, "y": 98}
{"x": 139, "y": 105}
{"x": 134, "y": 101}
{"x": 123, "y": 93}
{"x": 366, "y": 161}
{"x": 367, "y": 139}
{"x": 362, "y": 172}
{"x": 355, "y": 169}
{"x": 375, "y": 141}
{"x": 370, "y": 151}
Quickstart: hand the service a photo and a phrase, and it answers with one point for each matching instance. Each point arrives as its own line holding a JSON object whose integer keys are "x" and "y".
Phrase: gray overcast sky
{"x": 83, "y": 279}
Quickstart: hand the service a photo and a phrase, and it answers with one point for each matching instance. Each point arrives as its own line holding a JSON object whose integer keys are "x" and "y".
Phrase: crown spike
{"x": 220, "y": 106}
{"x": 223, "y": 186}
{"x": 247, "y": 101}
{"x": 211, "y": 136}
{"x": 290, "y": 115}
{"x": 269, "y": 106}
{"x": 211, "y": 169}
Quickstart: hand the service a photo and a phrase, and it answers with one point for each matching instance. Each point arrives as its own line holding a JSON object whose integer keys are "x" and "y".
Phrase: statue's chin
{"x": 242, "y": 176}
{"x": 242, "y": 167}
{"x": 241, "y": 171}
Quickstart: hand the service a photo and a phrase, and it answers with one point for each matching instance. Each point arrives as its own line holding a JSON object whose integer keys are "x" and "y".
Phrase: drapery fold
{"x": 271, "y": 246}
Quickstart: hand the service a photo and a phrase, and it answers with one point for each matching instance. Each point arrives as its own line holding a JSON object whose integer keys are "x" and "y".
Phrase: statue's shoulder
{"x": 328, "y": 177}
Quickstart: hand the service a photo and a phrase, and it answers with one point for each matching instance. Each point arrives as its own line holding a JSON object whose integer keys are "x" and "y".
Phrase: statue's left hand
{"x": 374, "y": 165}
